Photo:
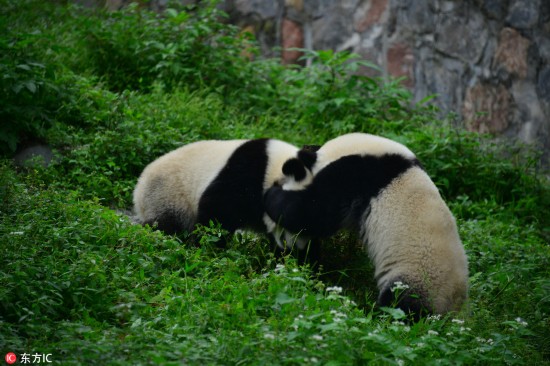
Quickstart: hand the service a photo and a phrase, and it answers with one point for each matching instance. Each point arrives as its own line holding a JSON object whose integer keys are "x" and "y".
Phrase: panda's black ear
{"x": 308, "y": 156}
{"x": 295, "y": 168}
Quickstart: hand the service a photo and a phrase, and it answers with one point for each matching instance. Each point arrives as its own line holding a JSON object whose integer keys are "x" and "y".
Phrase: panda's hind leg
{"x": 169, "y": 222}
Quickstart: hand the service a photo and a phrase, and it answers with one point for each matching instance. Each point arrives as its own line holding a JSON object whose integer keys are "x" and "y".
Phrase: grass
{"x": 80, "y": 281}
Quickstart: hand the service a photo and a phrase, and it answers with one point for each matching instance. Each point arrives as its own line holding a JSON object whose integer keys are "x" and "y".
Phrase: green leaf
{"x": 31, "y": 86}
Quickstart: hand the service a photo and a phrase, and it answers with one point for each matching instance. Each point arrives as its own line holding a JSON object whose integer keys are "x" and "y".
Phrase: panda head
{"x": 297, "y": 171}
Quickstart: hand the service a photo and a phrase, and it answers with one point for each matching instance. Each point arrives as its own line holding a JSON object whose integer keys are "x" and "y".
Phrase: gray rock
{"x": 333, "y": 29}
{"x": 265, "y": 9}
{"x": 34, "y": 155}
{"x": 523, "y": 14}
{"x": 413, "y": 17}
{"x": 543, "y": 84}
{"x": 462, "y": 34}
{"x": 495, "y": 9}
{"x": 543, "y": 92}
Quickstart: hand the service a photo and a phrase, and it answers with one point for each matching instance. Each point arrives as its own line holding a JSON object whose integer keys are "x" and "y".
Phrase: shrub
{"x": 185, "y": 46}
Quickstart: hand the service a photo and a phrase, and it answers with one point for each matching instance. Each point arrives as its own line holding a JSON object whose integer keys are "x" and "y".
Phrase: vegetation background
{"x": 110, "y": 92}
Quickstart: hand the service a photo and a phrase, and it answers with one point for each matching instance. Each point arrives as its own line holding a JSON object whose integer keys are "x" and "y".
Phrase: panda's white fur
{"x": 172, "y": 187}
{"x": 405, "y": 226}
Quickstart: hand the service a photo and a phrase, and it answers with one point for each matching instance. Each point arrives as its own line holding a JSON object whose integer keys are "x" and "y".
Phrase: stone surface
{"x": 511, "y": 53}
{"x": 486, "y": 108}
{"x": 369, "y": 13}
{"x": 462, "y": 34}
{"x": 543, "y": 92}
{"x": 529, "y": 107}
{"x": 264, "y": 9}
{"x": 333, "y": 28}
{"x": 400, "y": 62}
{"x": 543, "y": 84}
{"x": 33, "y": 155}
{"x": 292, "y": 37}
{"x": 495, "y": 9}
{"x": 444, "y": 79}
{"x": 523, "y": 14}
{"x": 410, "y": 17}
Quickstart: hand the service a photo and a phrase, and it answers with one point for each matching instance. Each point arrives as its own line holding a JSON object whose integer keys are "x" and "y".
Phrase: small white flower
{"x": 269, "y": 336}
{"x": 335, "y": 289}
{"x": 295, "y": 270}
{"x": 521, "y": 322}
{"x": 490, "y": 341}
{"x": 465, "y": 329}
{"x": 317, "y": 337}
{"x": 338, "y": 316}
{"x": 420, "y": 344}
{"x": 17, "y": 233}
{"x": 458, "y": 321}
{"x": 449, "y": 334}
{"x": 432, "y": 332}
{"x": 400, "y": 362}
{"x": 434, "y": 317}
{"x": 279, "y": 267}
{"x": 398, "y": 285}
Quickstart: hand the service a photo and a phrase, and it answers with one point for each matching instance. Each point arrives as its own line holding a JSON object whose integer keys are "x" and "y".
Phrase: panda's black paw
{"x": 272, "y": 201}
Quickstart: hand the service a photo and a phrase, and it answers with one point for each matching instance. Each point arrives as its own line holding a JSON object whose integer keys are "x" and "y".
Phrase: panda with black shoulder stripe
{"x": 377, "y": 186}
{"x": 218, "y": 180}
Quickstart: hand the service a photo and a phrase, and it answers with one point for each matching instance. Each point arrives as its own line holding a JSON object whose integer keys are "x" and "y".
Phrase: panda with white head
{"x": 377, "y": 186}
{"x": 218, "y": 180}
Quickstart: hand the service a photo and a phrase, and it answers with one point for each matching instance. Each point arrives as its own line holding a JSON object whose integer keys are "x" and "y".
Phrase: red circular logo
{"x": 11, "y": 358}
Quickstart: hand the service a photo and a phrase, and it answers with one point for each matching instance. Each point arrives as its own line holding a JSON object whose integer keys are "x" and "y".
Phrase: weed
{"x": 113, "y": 91}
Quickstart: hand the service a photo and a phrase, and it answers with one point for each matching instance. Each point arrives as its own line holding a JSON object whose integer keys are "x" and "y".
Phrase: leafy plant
{"x": 80, "y": 281}
{"x": 187, "y": 46}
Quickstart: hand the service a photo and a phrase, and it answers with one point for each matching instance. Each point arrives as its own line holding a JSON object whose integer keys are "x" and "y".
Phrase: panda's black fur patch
{"x": 234, "y": 197}
{"x": 338, "y": 196}
{"x": 169, "y": 222}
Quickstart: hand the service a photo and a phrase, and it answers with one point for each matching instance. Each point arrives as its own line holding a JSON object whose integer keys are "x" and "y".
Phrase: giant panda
{"x": 377, "y": 186}
{"x": 218, "y": 180}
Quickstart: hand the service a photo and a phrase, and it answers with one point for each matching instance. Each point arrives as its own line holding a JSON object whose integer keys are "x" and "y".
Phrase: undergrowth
{"x": 111, "y": 91}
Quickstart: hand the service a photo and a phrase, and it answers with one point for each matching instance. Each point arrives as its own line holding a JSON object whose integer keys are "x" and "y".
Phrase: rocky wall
{"x": 487, "y": 61}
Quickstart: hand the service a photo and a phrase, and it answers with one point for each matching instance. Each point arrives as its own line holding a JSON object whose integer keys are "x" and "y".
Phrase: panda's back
{"x": 173, "y": 184}
{"x": 358, "y": 144}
